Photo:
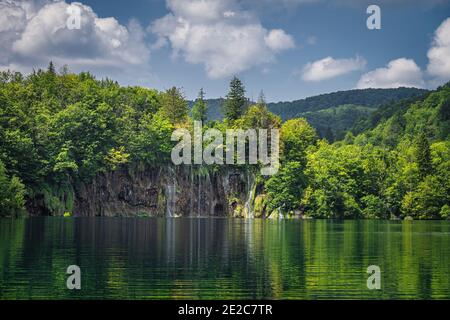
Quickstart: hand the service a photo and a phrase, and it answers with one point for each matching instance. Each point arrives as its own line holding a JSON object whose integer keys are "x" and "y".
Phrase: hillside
{"x": 332, "y": 123}
{"x": 335, "y": 113}
{"x": 389, "y": 126}
{"x": 364, "y": 97}
{"x": 72, "y": 144}
{"x": 398, "y": 167}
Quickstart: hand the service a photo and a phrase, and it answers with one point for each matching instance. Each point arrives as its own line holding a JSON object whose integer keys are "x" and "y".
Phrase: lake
{"x": 209, "y": 258}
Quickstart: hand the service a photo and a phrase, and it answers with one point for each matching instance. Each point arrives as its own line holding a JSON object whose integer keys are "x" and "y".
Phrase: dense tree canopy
{"x": 236, "y": 102}
{"x": 11, "y": 194}
{"x": 60, "y": 129}
{"x": 200, "y": 108}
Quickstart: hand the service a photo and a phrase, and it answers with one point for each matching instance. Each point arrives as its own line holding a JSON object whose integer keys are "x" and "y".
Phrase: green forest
{"x": 333, "y": 114}
{"x": 58, "y": 129}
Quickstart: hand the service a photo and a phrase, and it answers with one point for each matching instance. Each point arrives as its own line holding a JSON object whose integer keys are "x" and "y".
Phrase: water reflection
{"x": 222, "y": 258}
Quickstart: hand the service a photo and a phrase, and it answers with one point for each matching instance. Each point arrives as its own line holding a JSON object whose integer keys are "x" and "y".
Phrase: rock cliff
{"x": 171, "y": 191}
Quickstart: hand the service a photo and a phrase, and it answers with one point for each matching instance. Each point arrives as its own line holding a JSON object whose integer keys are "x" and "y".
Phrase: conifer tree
{"x": 236, "y": 102}
{"x": 200, "y": 107}
{"x": 51, "y": 68}
{"x": 174, "y": 106}
{"x": 423, "y": 155}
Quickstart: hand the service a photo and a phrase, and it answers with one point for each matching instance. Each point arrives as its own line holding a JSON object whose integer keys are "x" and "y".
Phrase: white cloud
{"x": 219, "y": 35}
{"x": 34, "y": 32}
{"x": 279, "y": 40}
{"x": 439, "y": 53}
{"x": 329, "y": 67}
{"x": 12, "y": 23}
{"x": 201, "y": 10}
{"x": 398, "y": 73}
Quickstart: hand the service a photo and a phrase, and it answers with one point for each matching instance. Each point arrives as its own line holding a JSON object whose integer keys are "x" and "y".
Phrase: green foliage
{"x": 296, "y": 136}
{"x": 200, "y": 108}
{"x": 333, "y": 174}
{"x": 174, "y": 106}
{"x": 389, "y": 170}
{"x": 445, "y": 211}
{"x": 258, "y": 117}
{"x": 423, "y": 155}
{"x": 365, "y": 97}
{"x": 236, "y": 102}
{"x": 151, "y": 143}
{"x": 426, "y": 201}
{"x": 285, "y": 188}
{"x": 360, "y": 109}
{"x": 373, "y": 207}
{"x": 411, "y": 120}
{"x": 332, "y": 123}
{"x": 60, "y": 129}
{"x": 64, "y": 160}
{"x": 117, "y": 156}
{"x": 12, "y": 193}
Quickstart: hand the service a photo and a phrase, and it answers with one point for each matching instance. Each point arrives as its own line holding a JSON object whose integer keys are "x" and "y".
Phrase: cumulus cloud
{"x": 439, "y": 53}
{"x": 219, "y": 35}
{"x": 329, "y": 67}
{"x": 279, "y": 40}
{"x": 398, "y": 73}
{"x": 34, "y": 32}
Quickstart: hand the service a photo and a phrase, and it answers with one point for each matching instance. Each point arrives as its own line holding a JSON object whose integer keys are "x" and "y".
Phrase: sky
{"x": 290, "y": 49}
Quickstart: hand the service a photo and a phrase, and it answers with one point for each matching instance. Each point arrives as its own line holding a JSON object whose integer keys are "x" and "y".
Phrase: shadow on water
{"x": 206, "y": 258}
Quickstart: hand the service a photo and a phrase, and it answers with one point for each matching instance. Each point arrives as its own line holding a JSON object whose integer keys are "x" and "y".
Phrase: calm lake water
{"x": 127, "y": 258}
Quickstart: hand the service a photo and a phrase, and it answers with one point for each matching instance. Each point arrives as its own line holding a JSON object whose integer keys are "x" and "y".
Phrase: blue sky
{"x": 291, "y": 49}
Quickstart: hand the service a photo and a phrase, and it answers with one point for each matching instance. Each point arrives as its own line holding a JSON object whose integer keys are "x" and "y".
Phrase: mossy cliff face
{"x": 166, "y": 191}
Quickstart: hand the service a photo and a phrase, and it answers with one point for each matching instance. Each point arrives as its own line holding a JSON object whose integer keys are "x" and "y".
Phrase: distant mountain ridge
{"x": 332, "y": 114}
{"x": 362, "y": 97}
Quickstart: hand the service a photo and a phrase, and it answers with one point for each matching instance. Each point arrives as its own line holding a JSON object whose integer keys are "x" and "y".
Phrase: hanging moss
{"x": 260, "y": 205}
{"x": 58, "y": 199}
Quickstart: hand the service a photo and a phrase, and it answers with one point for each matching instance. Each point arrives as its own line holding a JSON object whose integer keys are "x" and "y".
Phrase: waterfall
{"x": 191, "y": 202}
{"x": 204, "y": 192}
{"x": 250, "y": 192}
{"x": 171, "y": 193}
{"x": 199, "y": 194}
{"x": 209, "y": 191}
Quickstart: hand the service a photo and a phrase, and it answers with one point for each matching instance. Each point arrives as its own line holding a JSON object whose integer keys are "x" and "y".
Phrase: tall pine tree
{"x": 236, "y": 102}
{"x": 200, "y": 107}
{"x": 262, "y": 99}
{"x": 174, "y": 106}
{"x": 51, "y": 68}
{"x": 423, "y": 155}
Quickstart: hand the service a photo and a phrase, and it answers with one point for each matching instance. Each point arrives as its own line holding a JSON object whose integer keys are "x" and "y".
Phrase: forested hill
{"x": 390, "y": 126}
{"x": 400, "y": 168}
{"x": 333, "y": 114}
{"x": 61, "y": 133}
{"x": 361, "y": 97}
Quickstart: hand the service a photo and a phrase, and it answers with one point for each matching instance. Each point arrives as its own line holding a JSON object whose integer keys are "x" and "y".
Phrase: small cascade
{"x": 226, "y": 183}
{"x": 204, "y": 190}
{"x": 199, "y": 193}
{"x": 192, "y": 183}
{"x": 171, "y": 193}
{"x": 250, "y": 194}
{"x": 209, "y": 191}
